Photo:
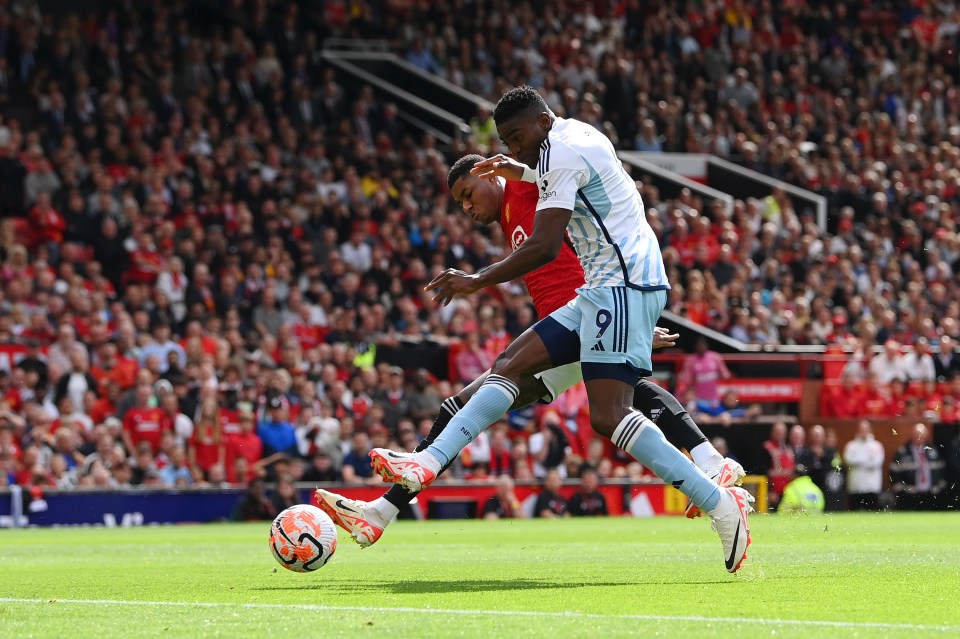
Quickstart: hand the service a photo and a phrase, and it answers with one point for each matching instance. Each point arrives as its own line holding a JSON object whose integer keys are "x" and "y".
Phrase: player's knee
{"x": 506, "y": 366}
{"x": 605, "y": 418}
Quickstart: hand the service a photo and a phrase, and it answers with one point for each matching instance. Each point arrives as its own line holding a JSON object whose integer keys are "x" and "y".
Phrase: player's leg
{"x": 664, "y": 410}
{"x": 547, "y": 344}
{"x": 678, "y": 427}
{"x": 531, "y": 389}
{"x": 616, "y": 333}
{"x": 366, "y": 521}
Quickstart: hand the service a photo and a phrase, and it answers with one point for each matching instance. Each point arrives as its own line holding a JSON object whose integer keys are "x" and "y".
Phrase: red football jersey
{"x": 146, "y": 424}
{"x": 555, "y": 284}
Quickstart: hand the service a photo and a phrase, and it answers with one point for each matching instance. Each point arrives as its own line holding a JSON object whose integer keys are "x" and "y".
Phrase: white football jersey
{"x": 579, "y": 171}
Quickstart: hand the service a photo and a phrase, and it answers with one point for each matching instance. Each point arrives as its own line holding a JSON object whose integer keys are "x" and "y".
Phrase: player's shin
{"x": 644, "y": 441}
{"x": 678, "y": 427}
{"x": 490, "y": 402}
{"x": 448, "y": 409}
{"x": 681, "y": 431}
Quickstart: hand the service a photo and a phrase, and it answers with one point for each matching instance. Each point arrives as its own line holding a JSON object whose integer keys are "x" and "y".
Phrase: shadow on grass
{"x": 480, "y": 585}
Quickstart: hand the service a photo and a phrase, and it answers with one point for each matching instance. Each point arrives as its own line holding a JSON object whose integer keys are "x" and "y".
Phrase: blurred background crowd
{"x": 206, "y": 237}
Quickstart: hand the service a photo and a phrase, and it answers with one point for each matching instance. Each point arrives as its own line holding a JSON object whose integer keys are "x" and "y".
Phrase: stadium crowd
{"x": 206, "y": 236}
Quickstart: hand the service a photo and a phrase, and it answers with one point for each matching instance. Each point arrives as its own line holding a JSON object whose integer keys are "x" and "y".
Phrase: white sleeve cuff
{"x": 529, "y": 175}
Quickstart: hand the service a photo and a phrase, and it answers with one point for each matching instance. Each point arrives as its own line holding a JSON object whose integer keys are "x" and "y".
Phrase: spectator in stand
{"x": 548, "y": 446}
{"x": 424, "y": 401}
{"x": 919, "y": 366}
{"x": 504, "y": 503}
{"x": 864, "y": 457}
{"x": 144, "y": 422}
{"x": 77, "y": 381}
{"x": 797, "y": 439}
{"x": 782, "y": 463}
{"x": 173, "y": 283}
{"x": 181, "y": 424}
{"x": 275, "y": 431}
{"x": 176, "y": 472}
{"x": 58, "y": 357}
{"x": 473, "y": 360}
{"x": 877, "y": 399}
{"x": 254, "y": 505}
{"x": 888, "y": 365}
{"x": 588, "y": 501}
{"x": 285, "y": 495}
{"x": 162, "y": 347}
{"x": 356, "y": 463}
{"x": 500, "y": 450}
{"x": 321, "y": 469}
{"x": 917, "y": 472}
{"x": 393, "y": 399}
{"x": 844, "y": 400}
{"x": 726, "y": 411}
{"x": 207, "y": 444}
{"x": 550, "y": 504}
{"x": 702, "y": 370}
{"x": 596, "y": 452}
{"x": 946, "y": 362}
{"x": 246, "y": 444}
{"x": 477, "y": 453}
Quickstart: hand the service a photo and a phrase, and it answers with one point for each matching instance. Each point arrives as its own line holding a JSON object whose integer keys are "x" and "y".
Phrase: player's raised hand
{"x": 450, "y": 284}
{"x": 499, "y": 165}
{"x": 663, "y": 338}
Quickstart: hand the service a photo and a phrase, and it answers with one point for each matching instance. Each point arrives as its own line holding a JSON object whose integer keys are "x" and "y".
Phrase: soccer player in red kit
{"x": 513, "y": 205}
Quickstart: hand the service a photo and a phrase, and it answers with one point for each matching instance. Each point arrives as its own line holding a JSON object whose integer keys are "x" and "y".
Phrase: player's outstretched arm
{"x": 549, "y": 229}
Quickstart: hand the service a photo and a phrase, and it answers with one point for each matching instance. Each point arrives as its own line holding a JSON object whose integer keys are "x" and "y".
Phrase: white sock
{"x": 427, "y": 459}
{"x": 726, "y": 503}
{"x": 705, "y": 455}
{"x": 380, "y": 512}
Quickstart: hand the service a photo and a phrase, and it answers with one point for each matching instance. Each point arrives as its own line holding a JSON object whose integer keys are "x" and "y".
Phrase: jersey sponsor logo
{"x": 518, "y": 237}
{"x": 544, "y": 193}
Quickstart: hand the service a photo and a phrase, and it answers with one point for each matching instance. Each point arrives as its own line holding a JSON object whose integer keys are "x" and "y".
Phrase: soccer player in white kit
{"x": 586, "y": 196}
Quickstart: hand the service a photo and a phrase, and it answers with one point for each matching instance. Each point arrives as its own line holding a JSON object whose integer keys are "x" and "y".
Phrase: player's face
{"x": 479, "y": 198}
{"x": 523, "y": 134}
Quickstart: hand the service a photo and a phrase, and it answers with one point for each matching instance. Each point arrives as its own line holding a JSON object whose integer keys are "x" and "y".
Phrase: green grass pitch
{"x": 880, "y": 575}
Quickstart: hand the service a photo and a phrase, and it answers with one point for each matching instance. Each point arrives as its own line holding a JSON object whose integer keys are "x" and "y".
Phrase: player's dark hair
{"x": 462, "y": 167}
{"x": 517, "y": 101}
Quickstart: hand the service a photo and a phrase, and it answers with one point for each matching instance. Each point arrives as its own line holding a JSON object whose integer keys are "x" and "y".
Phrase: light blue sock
{"x": 494, "y": 397}
{"x": 645, "y": 441}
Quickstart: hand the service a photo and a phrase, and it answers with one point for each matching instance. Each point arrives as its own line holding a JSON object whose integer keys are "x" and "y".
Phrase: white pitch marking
{"x": 499, "y": 613}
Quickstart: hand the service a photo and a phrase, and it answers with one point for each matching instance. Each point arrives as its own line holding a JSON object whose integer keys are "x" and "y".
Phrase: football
{"x": 303, "y": 538}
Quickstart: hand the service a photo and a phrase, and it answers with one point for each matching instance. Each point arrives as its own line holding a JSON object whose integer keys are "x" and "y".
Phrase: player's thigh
{"x": 558, "y": 379}
{"x": 616, "y": 332}
{"x": 560, "y": 333}
{"x": 534, "y": 351}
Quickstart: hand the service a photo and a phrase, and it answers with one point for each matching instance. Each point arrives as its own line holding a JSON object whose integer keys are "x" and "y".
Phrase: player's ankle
{"x": 430, "y": 461}
{"x": 725, "y": 504}
{"x": 381, "y": 512}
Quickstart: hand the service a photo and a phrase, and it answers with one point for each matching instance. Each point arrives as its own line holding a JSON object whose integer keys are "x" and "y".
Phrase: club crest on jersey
{"x": 518, "y": 237}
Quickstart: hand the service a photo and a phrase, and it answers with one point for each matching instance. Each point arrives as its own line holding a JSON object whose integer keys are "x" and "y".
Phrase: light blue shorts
{"x": 610, "y": 329}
